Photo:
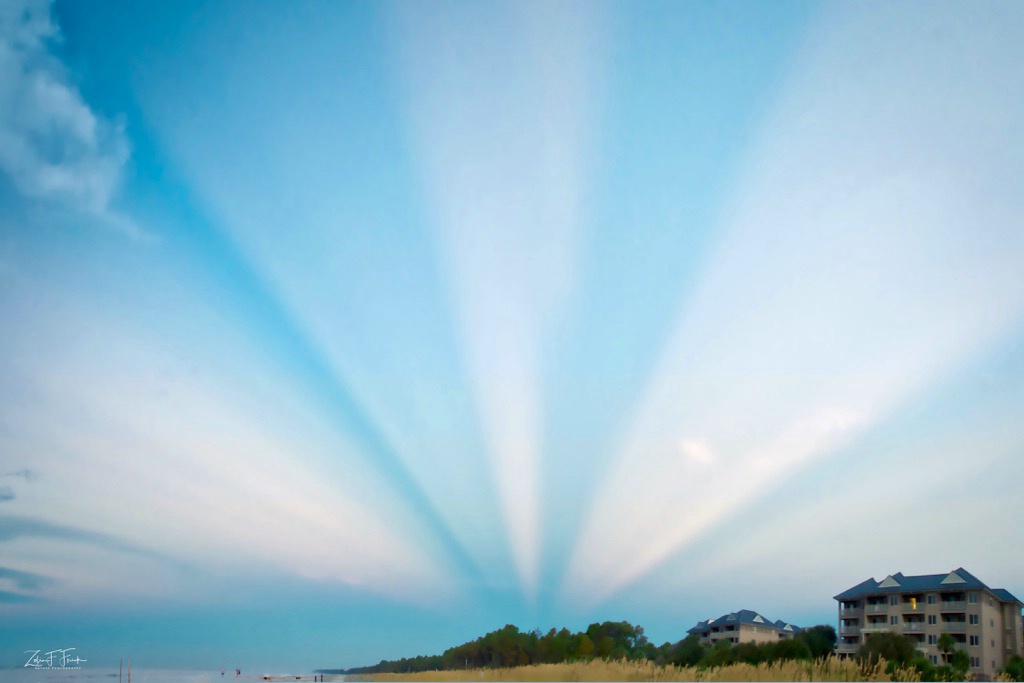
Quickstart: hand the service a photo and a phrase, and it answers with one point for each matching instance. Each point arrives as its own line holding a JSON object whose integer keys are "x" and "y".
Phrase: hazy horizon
{"x": 335, "y": 332}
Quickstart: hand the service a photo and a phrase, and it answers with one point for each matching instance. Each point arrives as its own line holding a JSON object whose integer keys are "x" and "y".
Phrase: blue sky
{"x": 343, "y": 331}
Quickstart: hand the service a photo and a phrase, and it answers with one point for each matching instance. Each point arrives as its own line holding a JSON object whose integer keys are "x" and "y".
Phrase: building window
{"x": 992, "y": 623}
{"x": 935, "y": 660}
{"x": 974, "y": 640}
{"x": 993, "y": 643}
{"x": 932, "y": 639}
{"x": 893, "y": 620}
{"x": 931, "y": 619}
{"x": 931, "y": 599}
{"x": 974, "y": 618}
{"x": 972, "y": 598}
{"x": 975, "y": 662}
{"x": 894, "y": 600}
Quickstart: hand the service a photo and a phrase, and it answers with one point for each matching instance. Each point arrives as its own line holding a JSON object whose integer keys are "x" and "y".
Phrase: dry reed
{"x": 830, "y": 669}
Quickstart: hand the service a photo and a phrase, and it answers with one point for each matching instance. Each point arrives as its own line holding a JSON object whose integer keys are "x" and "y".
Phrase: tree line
{"x": 508, "y": 647}
{"x": 899, "y": 650}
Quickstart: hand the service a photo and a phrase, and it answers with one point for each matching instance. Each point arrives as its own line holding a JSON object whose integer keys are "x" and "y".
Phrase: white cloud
{"x": 53, "y": 146}
{"x": 696, "y": 450}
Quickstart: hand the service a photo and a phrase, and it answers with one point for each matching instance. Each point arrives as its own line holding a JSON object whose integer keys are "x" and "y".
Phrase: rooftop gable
{"x": 743, "y": 616}
{"x": 953, "y": 577}
{"x": 957, "y": 579}
{"x": 889, "y": 582}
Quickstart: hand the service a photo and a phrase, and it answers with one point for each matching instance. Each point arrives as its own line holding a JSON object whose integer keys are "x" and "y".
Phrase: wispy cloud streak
{"x": 52, "y": 145}
{"x": 501, "y": 109}
{"x": 872, "y": 245}
{"x": 182, "y": 460}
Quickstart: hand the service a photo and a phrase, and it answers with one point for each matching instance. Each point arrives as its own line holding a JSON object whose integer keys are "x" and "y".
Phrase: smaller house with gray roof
{"x": 744, "y": 626}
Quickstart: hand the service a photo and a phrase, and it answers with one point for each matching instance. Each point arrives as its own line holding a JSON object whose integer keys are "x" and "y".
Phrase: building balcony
{"x": 876, "y": 627}
{"x": 851, "y": 611}
{"x": 953, "y": 626}
{"x": 847, "y": 648}
{"x": 875, "y": 609}
{"x": 914, "y": 627}
{"x": 851, "y": 630}
{"x": 910, "y": 607}
{"x": 952, "y": 606}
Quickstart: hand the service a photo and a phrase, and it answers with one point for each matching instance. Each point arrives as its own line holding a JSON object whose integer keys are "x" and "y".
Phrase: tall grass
{"x": 829, "y": 669}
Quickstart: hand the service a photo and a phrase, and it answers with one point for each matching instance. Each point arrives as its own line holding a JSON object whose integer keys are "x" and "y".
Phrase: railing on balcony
{"x": 850, "y": 611}
{"x": 914, "y": 627}
{"x": 848, "y": 647}
{"x": 850, "y": 630}
{"x": 952, "y": 606}
{"x": 911, "y": 607}
{"x": 953, "y": 626}
{"x": 876, "y": 626}
{"x": 877, "y": 608}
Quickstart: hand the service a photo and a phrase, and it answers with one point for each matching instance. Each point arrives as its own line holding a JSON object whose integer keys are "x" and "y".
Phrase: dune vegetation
{"x": 825, "y": 669}
{"x": 620, "y": 651}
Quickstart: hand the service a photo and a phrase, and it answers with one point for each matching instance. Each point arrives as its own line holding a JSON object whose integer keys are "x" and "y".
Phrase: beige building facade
{"x": 744, "y": 626}
{"x": 984, "y": 622}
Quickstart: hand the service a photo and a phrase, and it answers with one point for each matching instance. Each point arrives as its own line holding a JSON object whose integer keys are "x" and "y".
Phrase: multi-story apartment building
{"x": 983, "y": 621}
{"x": 745, "y": 626}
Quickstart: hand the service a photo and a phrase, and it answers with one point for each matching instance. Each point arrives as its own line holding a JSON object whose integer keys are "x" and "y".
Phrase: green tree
{"x": 559, "y": 649}
{"x": 946, "y": 645}
{"x": 1015, "y": 668}
{"x": 924, "y": 667}
{"x": 960, "y": 662}
{"x": 688, "y": 652}
{"x": 791, "y": 649}
{"x": 720, "y": 654}
{"x": 620, "y": 634}
{"x": 821, "y": 640}
{"x": 893, "y": 647}
{"x": 750, "y": 653}
{"x": 585, "y": 650}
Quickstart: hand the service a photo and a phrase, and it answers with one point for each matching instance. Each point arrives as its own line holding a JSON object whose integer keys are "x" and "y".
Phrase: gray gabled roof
{"x": 745, "y": 616}
{"x": 1004, "y": 595}
{"x": 958, "y": 579}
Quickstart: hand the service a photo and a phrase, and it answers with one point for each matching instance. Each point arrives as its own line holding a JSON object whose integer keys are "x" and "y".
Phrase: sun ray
{"x": 871, "y": 247}
{"x": 501, "y": 100}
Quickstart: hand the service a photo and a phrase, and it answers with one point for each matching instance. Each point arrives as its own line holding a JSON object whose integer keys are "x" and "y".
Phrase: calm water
{"x": 141, "y": 676}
